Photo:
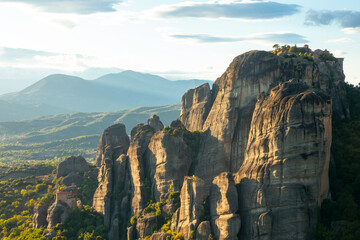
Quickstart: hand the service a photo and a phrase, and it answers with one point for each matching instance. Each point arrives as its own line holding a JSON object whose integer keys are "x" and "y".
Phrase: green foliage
{"x": 206, "y": 211}
{"x": 192, "y": 235}
{"x": 87, "y": 189}
{"x": 82, "y": 224}
{"x": 175, "y": 198}
{"x": 328, "y": 57}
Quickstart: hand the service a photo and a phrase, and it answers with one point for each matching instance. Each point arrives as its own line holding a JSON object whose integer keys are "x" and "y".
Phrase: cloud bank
{"x": 71, "y": 6}
{"x": 254, "y": 10}
{"x": 346, "y": 18}
{"x": 290, "y": 38}
{"x": 18, "y": 57}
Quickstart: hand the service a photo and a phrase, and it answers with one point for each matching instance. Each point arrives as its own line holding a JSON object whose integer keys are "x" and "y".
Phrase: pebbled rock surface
{"x": 285, "y": 172}
{"x": 72, "y": 165}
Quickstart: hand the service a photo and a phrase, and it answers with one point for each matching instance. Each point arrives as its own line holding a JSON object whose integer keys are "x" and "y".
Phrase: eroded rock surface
{"x": 169, "y": 160}
{"x": 261, "y": 156}
{"x": 195, "y": 106}
{"x": 113, "y": 144}
{"x": 285, "y": 172}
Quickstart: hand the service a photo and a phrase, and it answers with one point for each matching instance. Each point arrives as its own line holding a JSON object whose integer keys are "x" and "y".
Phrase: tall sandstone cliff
{"x": 247, "y": 159}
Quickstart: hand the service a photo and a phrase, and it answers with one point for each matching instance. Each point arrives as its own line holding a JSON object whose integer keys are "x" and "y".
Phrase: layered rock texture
{"x": 247, "y": 159}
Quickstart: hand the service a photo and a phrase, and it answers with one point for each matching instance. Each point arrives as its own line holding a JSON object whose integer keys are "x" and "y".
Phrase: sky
{"x": 174, "y": 39}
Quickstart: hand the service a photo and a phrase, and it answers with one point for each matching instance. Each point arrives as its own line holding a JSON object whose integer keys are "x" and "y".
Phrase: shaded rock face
{"x": 223, "y": 207}
{"x": 113, "y": 144}
{"x": 40, "y": 215}
{"x": 203, "y": 231}
{"x": 145, "y": 225}
{"x": 195, "y": 106}
{"x": 72, "y": 165}
{"x": 284, "y": 175}
{"x": 136, "y": 154}
{"x": 169, "y": 160}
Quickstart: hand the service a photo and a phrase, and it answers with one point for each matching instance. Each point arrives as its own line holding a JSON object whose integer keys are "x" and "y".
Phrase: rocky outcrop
{"x": 195, "y": 106}
{"x": 169, "y": 159}
{"x": 137, "y": 152}
{"x": 224, "y": 206}
{"x": 57, "y": 213}
{"x": 40, "y": 215}
{"x": 145, "y": 225}
{"x": 114, "y": 138}
{"x": 72, "y": 165}
{"x": 113, "y": 145}
{"x": 203, "y": 231}
{"x": 234, "y": 96}
{"x": 193, "y": 195}
{"x": 155, "y": 123}
{"x": 285, "y": 172}
{"x": 258, "y": 161}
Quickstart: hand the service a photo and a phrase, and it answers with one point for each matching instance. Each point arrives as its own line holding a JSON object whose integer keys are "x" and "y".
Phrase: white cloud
{"x": 279, "y": 37}
{"x": 351, "y": 30}
{"x": 230, "y": 9}
{"x": 65, "y": 23}
{"x": 341, "y": 40}
{"x": 339, "y": 53}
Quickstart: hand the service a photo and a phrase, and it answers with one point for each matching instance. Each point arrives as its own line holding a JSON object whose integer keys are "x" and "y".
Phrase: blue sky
{"x": 174, "y": 39}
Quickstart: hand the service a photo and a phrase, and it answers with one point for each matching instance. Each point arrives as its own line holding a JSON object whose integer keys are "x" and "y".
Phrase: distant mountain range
{"x": 59, "y": 93}
{"x": 69, "y": 134}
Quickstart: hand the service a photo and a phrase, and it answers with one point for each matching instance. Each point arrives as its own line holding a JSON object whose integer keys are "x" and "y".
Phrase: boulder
{"x": 155, "y": 123}
{"x": 72, "y": 165}
{"x": 145, "y": 225}
{"x": 203, "y": 231}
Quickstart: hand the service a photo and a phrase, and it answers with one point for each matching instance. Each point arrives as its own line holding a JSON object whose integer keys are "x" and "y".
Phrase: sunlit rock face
{"x": 257, "y": 169}
{"x": 285, "y": 172}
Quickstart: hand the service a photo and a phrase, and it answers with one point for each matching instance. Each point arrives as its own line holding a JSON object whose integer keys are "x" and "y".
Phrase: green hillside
{"x": 69, "y": 134}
